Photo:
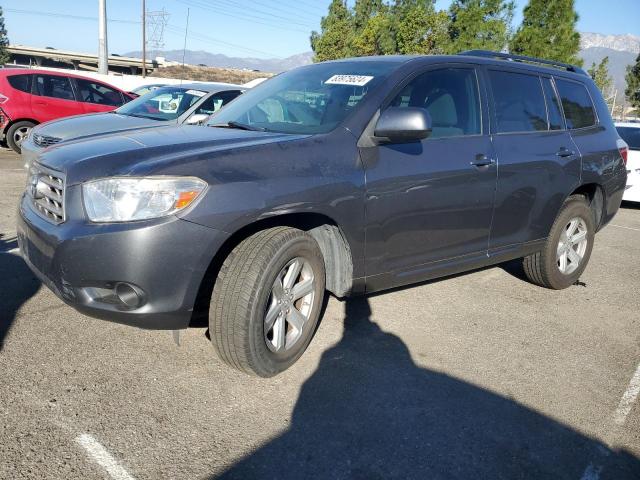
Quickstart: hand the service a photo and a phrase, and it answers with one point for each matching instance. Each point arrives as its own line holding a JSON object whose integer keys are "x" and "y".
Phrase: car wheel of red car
{"x": 17, "y": 134}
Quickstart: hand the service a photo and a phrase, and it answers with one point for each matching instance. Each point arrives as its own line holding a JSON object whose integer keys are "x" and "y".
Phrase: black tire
{"x": 243, "y": 293}
{"x": 542, "y": 268}
{"x": 14, "y": 131}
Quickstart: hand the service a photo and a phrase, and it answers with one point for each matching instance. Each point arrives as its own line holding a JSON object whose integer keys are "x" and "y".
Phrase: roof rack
{"x": 523, "y": 58}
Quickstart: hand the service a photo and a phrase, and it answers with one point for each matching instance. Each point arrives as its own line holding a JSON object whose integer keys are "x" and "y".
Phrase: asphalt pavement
{"x": 478, "y": 376}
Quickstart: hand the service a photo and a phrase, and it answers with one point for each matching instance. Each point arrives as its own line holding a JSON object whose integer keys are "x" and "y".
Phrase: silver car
{"x": 173, "y": 104}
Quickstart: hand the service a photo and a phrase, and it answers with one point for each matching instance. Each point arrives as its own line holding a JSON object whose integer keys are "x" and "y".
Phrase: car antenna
{"x": 184, "y": 49}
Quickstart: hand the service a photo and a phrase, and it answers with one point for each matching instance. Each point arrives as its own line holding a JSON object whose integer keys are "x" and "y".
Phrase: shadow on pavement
{"x": 17, "y": 285}
{"x": 369, "y": 412}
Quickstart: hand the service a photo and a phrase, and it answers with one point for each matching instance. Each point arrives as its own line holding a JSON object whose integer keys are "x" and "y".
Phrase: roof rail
{"x": 523, "y": 58}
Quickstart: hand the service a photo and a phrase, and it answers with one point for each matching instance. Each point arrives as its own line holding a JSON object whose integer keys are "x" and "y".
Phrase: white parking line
{"x": 627, "y": 400}
{"x": 103, "y": 458}
{"x": 626, "y": 228}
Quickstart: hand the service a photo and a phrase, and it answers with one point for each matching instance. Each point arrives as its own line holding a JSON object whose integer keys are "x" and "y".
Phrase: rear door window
{"x": 54, "y": 86}
{"x": 519, "y": 102}
{"x": 553, "y": 105}
{"x": 576, "y": 102}
{"x": 98, "y": 93}
{"x": 20, "y": 82}
{"x": 216, "y": 101}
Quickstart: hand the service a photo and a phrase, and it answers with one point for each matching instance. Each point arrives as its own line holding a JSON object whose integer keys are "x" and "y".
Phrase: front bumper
{"x": 164, "y": 260}
{"x": 29, "y": 151}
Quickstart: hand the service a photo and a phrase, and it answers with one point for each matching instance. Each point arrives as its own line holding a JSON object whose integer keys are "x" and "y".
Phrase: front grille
{"x": 46, "y": 190}
{"x": 44, "y": 140}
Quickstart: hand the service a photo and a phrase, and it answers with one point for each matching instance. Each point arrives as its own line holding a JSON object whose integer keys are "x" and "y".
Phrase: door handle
{"x": 565, "y": 152}
{"x": 482, "y": 161}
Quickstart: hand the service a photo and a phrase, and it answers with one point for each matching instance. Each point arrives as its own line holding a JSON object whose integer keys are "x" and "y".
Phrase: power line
{"x": 316, "y": 16}
{"x": 170, "y": 28}
{"x": 244, "y": 17}
{"x": 294, "y": 20}
{"x": 206, "y": 39}
{"x": 65, "y": 15}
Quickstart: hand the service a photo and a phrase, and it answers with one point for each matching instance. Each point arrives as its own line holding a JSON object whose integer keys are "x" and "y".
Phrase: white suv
{"x": 630, "y": 133}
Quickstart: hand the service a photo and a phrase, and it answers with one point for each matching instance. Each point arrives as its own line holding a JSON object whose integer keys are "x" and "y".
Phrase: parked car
{"x": 350, "y": 176}
{"x": 630, "y": 133}
{"x": 30, "y": 97}
{"x": 144, "y": 89}
{"x": 176, "y": 104}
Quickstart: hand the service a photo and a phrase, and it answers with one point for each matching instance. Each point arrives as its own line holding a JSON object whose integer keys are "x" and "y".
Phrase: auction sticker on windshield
{"x": 196, "y": 93}
{"x": 355, "y": 80}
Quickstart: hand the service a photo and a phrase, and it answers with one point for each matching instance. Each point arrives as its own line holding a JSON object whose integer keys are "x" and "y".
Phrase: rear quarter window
{"x": 576, "y": 103}
{"x": 20, "y": 82}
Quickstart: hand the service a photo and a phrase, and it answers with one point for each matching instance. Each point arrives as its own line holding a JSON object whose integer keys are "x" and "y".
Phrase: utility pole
{"x": 103, "y": 66}
{"x": 144, "y": 40}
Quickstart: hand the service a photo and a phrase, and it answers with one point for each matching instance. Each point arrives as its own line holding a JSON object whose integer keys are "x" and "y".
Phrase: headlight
{"x": 126, "y": 199}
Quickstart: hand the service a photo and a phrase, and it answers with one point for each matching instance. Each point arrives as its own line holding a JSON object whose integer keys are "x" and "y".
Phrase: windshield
{"x": 313, "y": 99}
{"x": 631, "y": 135}
{"x": 166, "y": 103}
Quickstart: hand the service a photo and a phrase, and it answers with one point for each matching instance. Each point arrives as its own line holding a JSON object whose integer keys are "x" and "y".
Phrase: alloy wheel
{"x": 572, "y": 246}
{"x": 289, "y": 306}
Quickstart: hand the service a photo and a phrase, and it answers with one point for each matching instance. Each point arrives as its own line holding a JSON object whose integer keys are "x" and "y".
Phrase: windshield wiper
{"x": 239, "y": 126}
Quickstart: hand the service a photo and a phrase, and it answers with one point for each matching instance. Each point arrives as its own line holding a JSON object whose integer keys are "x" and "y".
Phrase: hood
{"x": 89, "y": 125}
{"x": 147, "y": 151}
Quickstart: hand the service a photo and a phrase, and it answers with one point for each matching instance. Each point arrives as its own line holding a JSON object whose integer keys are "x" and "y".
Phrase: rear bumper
{"x": 85, "y": 264}
{"x": 632, "y": 191}
{"x": 613, "y": 191}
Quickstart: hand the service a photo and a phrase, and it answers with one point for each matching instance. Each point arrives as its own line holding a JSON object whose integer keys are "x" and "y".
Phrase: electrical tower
{"x": 156, "y": 21}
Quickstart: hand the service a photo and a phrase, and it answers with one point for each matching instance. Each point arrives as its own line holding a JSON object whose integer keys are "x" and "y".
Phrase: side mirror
{"x": 403, "y": 124}
{"x": 197, "y": 119}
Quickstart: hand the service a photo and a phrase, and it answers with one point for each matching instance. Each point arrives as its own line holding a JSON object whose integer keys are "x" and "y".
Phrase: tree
{"x": 548, "y": 30}
{"x": 334, "y": 40}
{"x": 600, "y": 75}
{"x": 4, "y": 41}
{"x": 632, "y": 91}
{"x": 420, "y": 29}
{"x": 377, "y": 36}
{"x": 480, "y": 24}
{"x": 364, "y": 10}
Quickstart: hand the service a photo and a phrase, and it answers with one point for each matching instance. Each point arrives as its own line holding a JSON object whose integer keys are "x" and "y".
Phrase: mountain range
{"x": 621, "y": 50}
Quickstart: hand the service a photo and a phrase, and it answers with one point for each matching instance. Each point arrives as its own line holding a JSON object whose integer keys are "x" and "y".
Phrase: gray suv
{"x": 351, "y": 177}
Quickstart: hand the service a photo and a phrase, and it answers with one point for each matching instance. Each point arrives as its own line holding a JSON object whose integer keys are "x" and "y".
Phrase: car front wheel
{"x": 17, "y": 133}
{"x": 267, "y": 300}
{"x": 567, "y": 249}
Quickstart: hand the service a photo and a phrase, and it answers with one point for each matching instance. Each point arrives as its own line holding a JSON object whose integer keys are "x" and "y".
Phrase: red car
{"x": 29, "y": 97}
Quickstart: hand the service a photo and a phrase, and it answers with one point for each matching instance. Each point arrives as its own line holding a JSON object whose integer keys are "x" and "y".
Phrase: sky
{"x": 243, "y": 28}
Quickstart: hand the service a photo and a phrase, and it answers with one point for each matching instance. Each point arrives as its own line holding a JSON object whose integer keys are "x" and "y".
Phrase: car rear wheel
{"x": 568, "y": 248}
{"x": 267, "y": 300}
{"x": 17, "y": 133}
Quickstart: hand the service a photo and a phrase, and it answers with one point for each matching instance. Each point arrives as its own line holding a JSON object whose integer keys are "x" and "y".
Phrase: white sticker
{"x": 355, "y": 80}
{"x": 196, "y": 93}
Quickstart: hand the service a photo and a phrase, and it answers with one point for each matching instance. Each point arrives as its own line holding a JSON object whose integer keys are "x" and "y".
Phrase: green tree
{"x": 480, "y": 24}
{"x": 600, "y": 75}
{"x": 548, "y": 30}
{"x": 364, "y": 10}
{"x": 4, "y": 41}
{"x": 419, "y": 28}
{"x": 377, "y": 36}
{"x": 632, "y": 92}
{"x": 336, "y": 35}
